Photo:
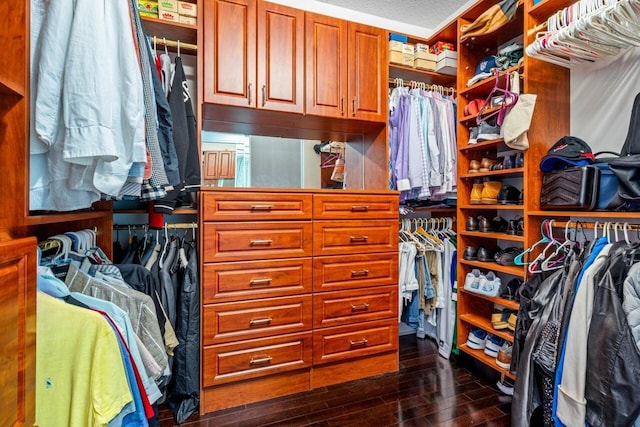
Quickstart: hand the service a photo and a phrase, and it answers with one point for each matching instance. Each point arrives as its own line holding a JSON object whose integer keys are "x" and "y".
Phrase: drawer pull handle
{"x": 356, "y": 273}
{"x": 260, "y": 322}
{"x": 363, "y": 208}
{"x": 260, "y": 243}
{"x": 260, "y": 360}
{"x": 260, "y": 282}
{"x": 261, "y": 207}
{"x": 360, "y": 343}
{"x": 361, "y": 307}
{"x": 355, "y": 239}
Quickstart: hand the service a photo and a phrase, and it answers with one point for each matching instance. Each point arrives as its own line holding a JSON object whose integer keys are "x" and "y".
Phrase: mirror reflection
{"x": 236, "y": 160}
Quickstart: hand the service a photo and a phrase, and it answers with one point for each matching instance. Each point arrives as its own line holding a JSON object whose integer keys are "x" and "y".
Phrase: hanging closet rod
{"x": 169, "y": 226}
{"x": 599, "y": 224}
{"x": 421, "y": 85}
{"x": 163, "y": 41}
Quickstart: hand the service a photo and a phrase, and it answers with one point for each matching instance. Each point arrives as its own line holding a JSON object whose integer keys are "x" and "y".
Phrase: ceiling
{"x": 430, "y": 14}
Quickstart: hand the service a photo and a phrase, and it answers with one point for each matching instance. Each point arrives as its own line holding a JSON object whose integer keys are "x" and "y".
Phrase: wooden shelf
{"x": 484, "y": 145}
{"x": 483, "y": 323}
{"x": 431, "y": 77}
{"x": 487, "y": 360}
{"x": 512, "y": 305}
{"x": 473, "y": 118}
{"x": 546, "y": 8}
{"x": 494, "y": 266}
{"x": 493, "y": 207}
{"x": 10, "y": 88}
{"x": 501, "y": 236}
{"x": 586, "y": 214}
{"x": 483, "y": 87}
{"x": 502, "y": 172}
{"x": 171, "y": 30}
{"x": 65, "y": 217}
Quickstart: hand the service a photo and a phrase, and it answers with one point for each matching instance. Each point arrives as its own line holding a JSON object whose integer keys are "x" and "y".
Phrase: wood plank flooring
{"x": 427, "y": 391}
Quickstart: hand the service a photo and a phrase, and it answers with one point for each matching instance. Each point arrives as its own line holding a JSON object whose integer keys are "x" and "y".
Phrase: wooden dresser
{"x": 299, "y": 291}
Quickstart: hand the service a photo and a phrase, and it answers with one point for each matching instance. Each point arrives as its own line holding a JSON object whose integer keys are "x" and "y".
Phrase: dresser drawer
{"x": 347, "y": 342}
{"x": 353, "y": 237}
{"x": 235, "y": 241}
{"x": 236, "y": 281}
{"x": 222, "y": 206}
{"x": 355, "y": 206}
{"x": 333, "y": 273}
{"x": 255, "y": 319}
{"x": 349, "y": 307}
{"x": 255, "y": 358}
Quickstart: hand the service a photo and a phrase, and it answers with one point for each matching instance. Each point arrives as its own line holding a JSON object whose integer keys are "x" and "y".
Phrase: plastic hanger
{"x": 555, "y": 260}
{"x": 519, "y": 259}
{"x": 535, "y": 265}
{"x": 508, "y": 99}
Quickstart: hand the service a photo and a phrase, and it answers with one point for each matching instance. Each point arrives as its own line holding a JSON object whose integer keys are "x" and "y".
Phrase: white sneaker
{"x": 490, "y": 284}
{"x": 472, "y": 281}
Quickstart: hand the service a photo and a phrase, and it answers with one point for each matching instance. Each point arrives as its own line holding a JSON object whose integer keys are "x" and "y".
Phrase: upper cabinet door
{"x": 280, "y": 58}
{"x": 230, "y": 52}
{"x": 368, "y": 72}
{"x": 326, "y": 53}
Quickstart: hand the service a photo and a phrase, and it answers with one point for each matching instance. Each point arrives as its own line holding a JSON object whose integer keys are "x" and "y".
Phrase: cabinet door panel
{"x": 230, "y": 59}
{"x": 280, "y": 57}
{"x": 326, "y": 65}
{"x": 367, "y": 72}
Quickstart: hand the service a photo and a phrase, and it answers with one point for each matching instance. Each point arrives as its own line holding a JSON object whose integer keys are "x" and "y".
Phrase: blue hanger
{"x": 519, "y": 259}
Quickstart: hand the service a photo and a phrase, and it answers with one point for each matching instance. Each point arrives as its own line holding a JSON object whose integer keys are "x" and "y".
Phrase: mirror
{"x": 237, "y": 160}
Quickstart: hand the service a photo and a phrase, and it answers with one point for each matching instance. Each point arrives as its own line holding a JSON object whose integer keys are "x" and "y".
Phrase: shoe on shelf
{"x": 520, "y": 227}
{"x": 508, "y": 195}
{"x": 492, "y": 345}
{"x": 488, "y": 132}
{"x": 476, "y": 339}
{"x": 485, "y": 225}
{"x": 497, "y": 164}
{"x": 476, "y": 193}
{"x": 485, "y": 254}
{"x": 474, "y": 166}
{"x": 472, "y": 281}
{"x": 500, "y": 224}
{"x": 513, "y": 320}
{"x": 490, "y": 192}
{"x": 521, "y": 198}
{"x": 472, "y": 224}
{"x": 506, "y": 386}
{"x": 470, "y": 253}
{"x": 509, "y": 162}
{"x": 507, "y": 256}
{"x": 503, "y": 359}
{"x": 473, "y": 135}
{"x": 486, "y": 164}
{"x": 490, "y": 284}
{"x": 512, "y": 227}
{"x": 511, "y": 290}
{"x": 500, "y": 318}
{"x": 519, "y": 160}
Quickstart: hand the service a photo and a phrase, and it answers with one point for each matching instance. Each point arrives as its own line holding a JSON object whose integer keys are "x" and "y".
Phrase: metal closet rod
{"x": 600, "y": 225}
{"x": 163, "y": 41}
{"x": 169, "y": 226}
{"x": 421, "y": 85}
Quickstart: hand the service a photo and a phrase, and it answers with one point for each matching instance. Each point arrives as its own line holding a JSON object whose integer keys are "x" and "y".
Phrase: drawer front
{"x": 355, "y": 206}
{"x": 353, "y": 237}
{"x": 255, "y": 358}
{"x": 219, "y": 206}
{"x": 239, "y": 281}
{"x": 236, "y": 241}
{"x": 256, "y": 319}
{"x": 349, "y": 307}
{"x": 347, "y": 342}
{"x": 354, "y": 271}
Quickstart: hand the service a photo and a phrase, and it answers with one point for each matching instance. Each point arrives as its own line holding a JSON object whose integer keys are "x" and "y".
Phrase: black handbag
{"x": 627, "y": 166}
{"x": 571, "y": 188}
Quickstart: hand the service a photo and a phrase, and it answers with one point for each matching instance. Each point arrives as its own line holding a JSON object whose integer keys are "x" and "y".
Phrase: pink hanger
{"x": 508, "y": 99}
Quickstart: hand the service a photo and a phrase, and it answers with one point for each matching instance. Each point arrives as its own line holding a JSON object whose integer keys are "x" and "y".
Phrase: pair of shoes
{"x": 488, "y": 131}
{"x": 506, "y": 386}
{"x": 508, "y": 195}
{"x": 515, "y": 227}
{"x": 485, "y": 284}
{"x": 511, "y": 291}
{"x": 484, "y": 254}
{"x": 485, "y": 225}
{"x": 476, "y": 339}
{"x": 470, "y": 253}
{"x": 509, "y": 162}
{"x": 487, "y": 164}
{"x": 473, "y": 135}
{"x": 503, "y": 359}
{"x": 474, "y": 166}
{"x": 485, "y": 192}
{"x": 507, "y": 256}
{"x": 473, "y": 107}
{"x": 500, "y": 317}
{"x": 492, "y": 345}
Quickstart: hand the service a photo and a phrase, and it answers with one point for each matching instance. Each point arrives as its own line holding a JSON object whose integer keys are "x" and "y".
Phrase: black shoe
{"x": 470, "y": 253}
{"x": 521, "y": 198}
{"x": 519, "y": 161}
{"x": 508, "y": 195}
{"x": 500, "y": 225}
{"x": 485, "y": 254}
{"x": 511, "y": 291}
{"x": 511, "y": 228}
{"x": 520, "y": 227}
{"x": 507, "y": 256}
{"x": 472, "y": 224}
{"x": 485, "y": 224}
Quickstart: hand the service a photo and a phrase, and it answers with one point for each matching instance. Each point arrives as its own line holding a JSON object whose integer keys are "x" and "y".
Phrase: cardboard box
{"x": 188, "y": 20}
{"x": 408, "y": 48}
{"x": 187, "y": 9}
{"x": 422, "y": 47}
{"x": 148, "y": 14}
{"x": 426, "y": 55}
{"x": 447, "y": 66}
{"x": 424, "y": 64}
{"x": 169, "y": 16}
{"x": 148, "y": 6}
{"x": 398, "y": 37}
{"x": 395, "y": 45}
{"x": 400, "y": 58}
{"x": 447, "y": 54}
{"x": 168, "y": 5}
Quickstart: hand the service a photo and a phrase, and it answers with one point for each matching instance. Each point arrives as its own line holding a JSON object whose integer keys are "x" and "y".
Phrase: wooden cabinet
{"x": 289, "y": 303}
{"x": 254, "y": 55}
{"x": 345, "y": 69}
{"x": 219, "y": 165}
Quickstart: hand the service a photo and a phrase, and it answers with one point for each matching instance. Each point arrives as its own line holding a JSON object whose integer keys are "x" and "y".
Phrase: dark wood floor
{"x": 427, "y": 391}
